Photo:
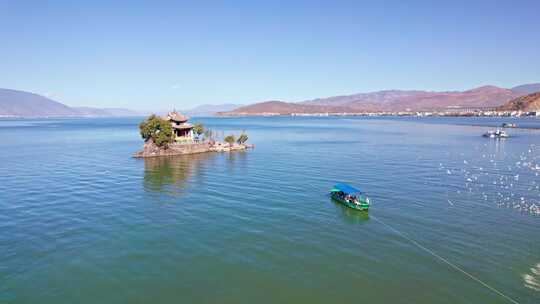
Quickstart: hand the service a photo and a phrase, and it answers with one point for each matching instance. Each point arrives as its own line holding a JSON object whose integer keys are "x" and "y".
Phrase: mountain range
{"x": 393, "y": 101}
{"x": 15, "y": 103}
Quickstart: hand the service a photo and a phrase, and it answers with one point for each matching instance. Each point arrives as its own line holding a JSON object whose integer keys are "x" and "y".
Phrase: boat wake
{"x": 532, "y": 279}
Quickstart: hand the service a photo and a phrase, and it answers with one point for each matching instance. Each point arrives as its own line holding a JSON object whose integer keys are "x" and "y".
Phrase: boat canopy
{"x": 346, "y": 189}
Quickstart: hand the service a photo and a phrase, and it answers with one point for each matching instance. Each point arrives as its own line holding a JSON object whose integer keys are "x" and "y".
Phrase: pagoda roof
{"x": 175, "y": 116}
{"x": 183, "y": 126}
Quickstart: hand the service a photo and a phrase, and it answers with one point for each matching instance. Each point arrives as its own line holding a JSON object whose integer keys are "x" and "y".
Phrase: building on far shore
{"x": 183, "y": 131}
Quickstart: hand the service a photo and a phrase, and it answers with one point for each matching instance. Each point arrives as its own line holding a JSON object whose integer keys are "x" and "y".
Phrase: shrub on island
{"x": 230, "y": 139}
{"x": 242, "y": 138}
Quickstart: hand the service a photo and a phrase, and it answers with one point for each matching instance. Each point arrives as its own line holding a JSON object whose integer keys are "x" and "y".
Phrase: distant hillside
{"x": 527, "y": 88}
{"x": 19, "y": 103}
{"x": 486, "y": 96}
{"x": 282, "y": 108}
{"x": 390, "y": 100}
{"x": 527, "y": 103}
{"x": 24, "y": 104}
{"x": 374, "y": 99}
{"x": 210, "y": 110}
{"x": 105, "y": 112}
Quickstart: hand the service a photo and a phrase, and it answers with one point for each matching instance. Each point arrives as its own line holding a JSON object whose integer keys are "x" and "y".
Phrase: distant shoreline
{"x": 529, "y": 118}
{"x": 399, "y": 113}
{"x": 420, "y": 117}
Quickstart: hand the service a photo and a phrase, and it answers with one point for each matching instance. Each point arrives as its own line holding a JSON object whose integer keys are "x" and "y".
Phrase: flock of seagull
{"x": 509, "y": 183}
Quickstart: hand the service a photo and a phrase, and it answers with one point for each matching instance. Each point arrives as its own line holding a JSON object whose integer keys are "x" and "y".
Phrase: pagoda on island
{"x": 183, "y": 140}
{"x": 182, "y": 130}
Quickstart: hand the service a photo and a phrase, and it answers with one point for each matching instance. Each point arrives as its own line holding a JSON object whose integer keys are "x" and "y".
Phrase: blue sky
{"x": 150, "y": 55}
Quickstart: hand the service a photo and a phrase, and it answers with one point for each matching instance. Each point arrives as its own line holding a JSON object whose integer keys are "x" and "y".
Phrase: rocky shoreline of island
{"x": 152, "y": 150}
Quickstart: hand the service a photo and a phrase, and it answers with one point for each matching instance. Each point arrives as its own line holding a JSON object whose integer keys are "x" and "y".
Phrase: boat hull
{"x": 363, "y": 206}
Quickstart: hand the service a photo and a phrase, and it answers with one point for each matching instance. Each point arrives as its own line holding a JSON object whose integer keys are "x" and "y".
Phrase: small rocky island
{"x": 174, "y": 135}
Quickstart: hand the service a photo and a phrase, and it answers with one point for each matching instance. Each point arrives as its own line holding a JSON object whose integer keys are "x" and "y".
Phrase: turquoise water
{"x": 83, "y": 222}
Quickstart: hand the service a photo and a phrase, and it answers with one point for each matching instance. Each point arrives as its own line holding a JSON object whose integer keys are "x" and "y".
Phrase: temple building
{"x": 183, "y": 131}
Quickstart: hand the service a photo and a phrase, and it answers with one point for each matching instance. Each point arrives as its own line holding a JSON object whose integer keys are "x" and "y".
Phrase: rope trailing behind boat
{"x": 431, "y": 252}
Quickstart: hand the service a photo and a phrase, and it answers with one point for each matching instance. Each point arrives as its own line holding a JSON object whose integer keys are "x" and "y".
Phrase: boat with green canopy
{"x": 350, "y": 197}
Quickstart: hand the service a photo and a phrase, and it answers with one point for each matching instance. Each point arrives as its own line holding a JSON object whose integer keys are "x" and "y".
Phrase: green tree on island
{"x": 242, "y": 138}
{"x": 230, "y": 140}
{"x": 157, "y": 129}
{"x": 198, "y": 129}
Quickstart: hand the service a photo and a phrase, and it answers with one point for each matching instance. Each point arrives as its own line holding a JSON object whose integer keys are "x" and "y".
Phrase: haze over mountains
{"x": 393, "y": 101}
{"x": 210, "y": 110}
{"x": 527, "y": 88}
{"x": 15, "y": 103}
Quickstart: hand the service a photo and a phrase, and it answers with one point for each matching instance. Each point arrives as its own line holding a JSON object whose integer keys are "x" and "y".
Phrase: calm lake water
{"x": 455, "y": 217}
